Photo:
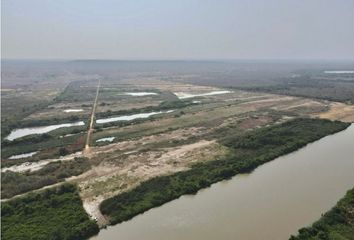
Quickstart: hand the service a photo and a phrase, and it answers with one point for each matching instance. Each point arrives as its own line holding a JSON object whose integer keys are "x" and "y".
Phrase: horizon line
{"x": 178, "y": 59}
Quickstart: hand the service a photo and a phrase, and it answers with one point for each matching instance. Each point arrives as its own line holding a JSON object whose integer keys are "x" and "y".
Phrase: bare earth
{"x": 339, "y": 111}
{"x": 121, "y": 170}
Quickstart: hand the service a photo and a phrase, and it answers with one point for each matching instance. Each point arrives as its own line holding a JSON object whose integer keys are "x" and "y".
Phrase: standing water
{"x": 73, "y": 110}
{"x": 22, "y": 132}
{"x": 130, "y": 117}
{"x": 272, "y": 202}
{"x": 139, "y": 94}
{"x": 23, "y": 155}
{"x": 182, "y": 95}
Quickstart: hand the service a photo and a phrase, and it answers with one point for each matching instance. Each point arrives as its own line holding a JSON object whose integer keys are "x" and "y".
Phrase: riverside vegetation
{"x": 248, "y": 152}
{"x": 338, "y": 223}
{"x": 55, "y": 213}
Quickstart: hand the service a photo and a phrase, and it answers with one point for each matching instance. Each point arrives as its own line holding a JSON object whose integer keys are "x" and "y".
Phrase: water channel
{"x": 272, "y": 202}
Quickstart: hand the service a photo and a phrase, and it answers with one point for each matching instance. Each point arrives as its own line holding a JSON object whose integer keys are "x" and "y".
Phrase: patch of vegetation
{"x": 47, "y": 142}
{"x": 37, "y": 138}
{"x": 27, "y": 139}
{"x": 12, "y": 115}
{"x": 166, "y": 105}
{"x": 13, "y": 183}
{"x": 101, "y": 126}
{"x": 63, "y": 151}
{"x": 55, "y": 213}
{"x": 74, "y": 92}
{"x": 248, "y": 152}
{"x": 338, "y": 223}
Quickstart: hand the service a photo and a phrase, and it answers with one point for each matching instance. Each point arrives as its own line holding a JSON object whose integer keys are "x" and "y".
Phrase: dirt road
{"x": 92, "y": 119}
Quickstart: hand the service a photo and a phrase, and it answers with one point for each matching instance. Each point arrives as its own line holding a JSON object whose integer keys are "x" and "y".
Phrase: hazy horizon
{"x": 188, "y": 59}
{"x": 183, "y": 30}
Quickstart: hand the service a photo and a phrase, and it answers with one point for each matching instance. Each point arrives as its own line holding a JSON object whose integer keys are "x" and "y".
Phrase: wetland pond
{"x": 21, "y": 132}
{"x": 73, "y": 110}
{"x": 107, "y": 139}
{"x": 183, "y": 95}
{"x": 23, "y": 155}
{"x": 139, "y": 94}
{"x": 130, "y": 117}
{"x": 272, "y": 202}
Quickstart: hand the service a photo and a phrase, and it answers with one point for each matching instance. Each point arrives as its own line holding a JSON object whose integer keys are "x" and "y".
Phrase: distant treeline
{"x": 338, "y": 223}
{"x": 249, "y": 151}
{"x": 55, "y": 213}
{"x": 305, "y": 86}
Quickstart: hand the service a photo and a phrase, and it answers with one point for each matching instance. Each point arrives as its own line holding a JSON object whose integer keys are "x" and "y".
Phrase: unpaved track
{"x": 92, "y": 119}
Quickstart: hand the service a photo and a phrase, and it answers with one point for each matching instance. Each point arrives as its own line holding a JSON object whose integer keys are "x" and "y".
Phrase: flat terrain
{"x": 189, "y": 122}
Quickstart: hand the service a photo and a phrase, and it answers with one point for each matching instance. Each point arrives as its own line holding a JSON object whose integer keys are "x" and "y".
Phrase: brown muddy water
{"x": 272, "y": 202}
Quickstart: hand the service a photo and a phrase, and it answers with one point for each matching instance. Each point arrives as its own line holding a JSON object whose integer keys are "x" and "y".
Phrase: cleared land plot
{"x": 339, "y": 111}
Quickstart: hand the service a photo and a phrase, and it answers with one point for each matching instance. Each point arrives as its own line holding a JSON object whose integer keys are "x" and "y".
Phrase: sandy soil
{"x": 339, "y": 111}
{"x": 120, "y": 172}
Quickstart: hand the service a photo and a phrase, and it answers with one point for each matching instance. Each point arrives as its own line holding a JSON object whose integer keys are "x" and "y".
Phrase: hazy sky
{"x": 177, "y": 29}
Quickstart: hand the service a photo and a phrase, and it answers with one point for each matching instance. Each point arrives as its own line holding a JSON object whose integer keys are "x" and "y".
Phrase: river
{"x": 272, "y": 202}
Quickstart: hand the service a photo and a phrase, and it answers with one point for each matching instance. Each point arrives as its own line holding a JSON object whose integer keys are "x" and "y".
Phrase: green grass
{"x": 55, "y": 213}
{"x": 248, "y": 152}
{"x": 336, "y": 224}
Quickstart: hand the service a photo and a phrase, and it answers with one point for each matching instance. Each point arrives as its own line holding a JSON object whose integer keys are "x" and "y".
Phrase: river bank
{"x": 293, "y": 189}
